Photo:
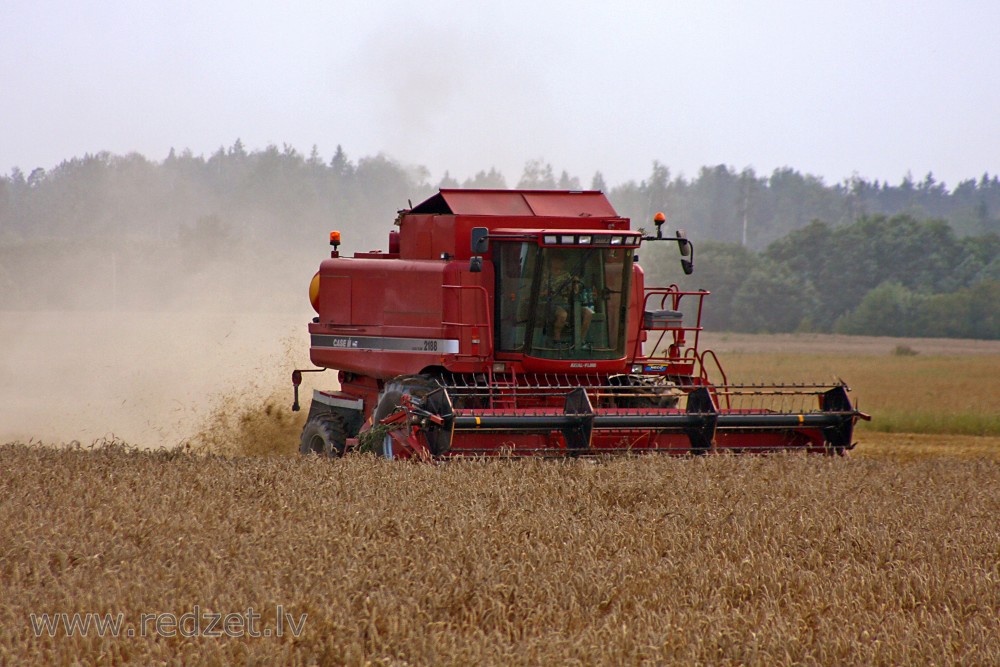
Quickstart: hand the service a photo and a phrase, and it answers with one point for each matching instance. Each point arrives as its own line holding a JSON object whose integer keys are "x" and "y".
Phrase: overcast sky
{"x": 829, "y": 88}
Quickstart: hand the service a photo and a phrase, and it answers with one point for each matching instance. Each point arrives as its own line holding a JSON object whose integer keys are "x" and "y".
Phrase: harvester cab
{"x": 506, "y": 321}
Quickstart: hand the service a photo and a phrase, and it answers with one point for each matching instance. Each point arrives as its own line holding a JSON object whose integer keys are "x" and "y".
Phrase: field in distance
{"x": 841, "y": 345}
{"x": 941, "y": 387}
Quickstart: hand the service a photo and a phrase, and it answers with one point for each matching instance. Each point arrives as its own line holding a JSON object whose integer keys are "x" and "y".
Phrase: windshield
{"x": 562, "y": 303}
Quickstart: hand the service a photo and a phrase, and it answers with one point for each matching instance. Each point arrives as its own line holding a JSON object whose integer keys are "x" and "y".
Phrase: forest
{"x": 245, "y": 229}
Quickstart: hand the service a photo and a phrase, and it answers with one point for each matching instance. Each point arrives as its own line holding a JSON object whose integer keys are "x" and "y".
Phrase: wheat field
{"x": 788, "y": 559}
{"x": 890, "y": 555}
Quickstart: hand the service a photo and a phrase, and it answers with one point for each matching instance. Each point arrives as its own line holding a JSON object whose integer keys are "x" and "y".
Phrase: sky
{"x": 874, "y": 89}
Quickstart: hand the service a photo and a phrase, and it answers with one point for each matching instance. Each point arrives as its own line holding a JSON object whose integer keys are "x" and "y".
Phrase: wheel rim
{"x": 317, "y": 444}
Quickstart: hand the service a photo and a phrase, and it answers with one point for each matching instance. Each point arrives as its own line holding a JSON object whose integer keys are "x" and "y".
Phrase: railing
{"x": 527, "y": 390}
{"x": 670, "y": 298}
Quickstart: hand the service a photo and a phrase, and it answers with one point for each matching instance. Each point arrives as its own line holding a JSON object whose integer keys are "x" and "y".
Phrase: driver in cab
{"x": 561, "y": 288}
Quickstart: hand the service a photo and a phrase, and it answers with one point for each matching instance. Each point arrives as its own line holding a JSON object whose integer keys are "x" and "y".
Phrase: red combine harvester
{"x": 518, "y": 322}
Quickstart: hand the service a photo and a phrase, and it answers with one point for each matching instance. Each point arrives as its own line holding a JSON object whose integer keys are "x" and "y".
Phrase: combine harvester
{"x": 518, "y": 322}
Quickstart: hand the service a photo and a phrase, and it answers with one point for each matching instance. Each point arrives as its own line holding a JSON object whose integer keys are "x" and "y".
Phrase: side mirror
{"x": 688, "y": 266}
{"x": 475, "y": 265}
{"x": 683, "y": 244}
{"x": 480, "y": 240}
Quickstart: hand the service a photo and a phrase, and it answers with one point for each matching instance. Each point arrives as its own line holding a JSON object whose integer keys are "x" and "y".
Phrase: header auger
{"x": 518, "y": 322}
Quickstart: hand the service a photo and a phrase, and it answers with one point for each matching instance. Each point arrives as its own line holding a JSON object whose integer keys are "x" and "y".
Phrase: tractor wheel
{"x": 417, "y": 386}
{"x": 324, "y": 435}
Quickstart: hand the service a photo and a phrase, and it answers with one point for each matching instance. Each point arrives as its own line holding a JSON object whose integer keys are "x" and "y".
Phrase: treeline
{"x": 743, "y": 207}
{"x": 236, "y": 230}
{"x": 882, "y": 276}
{"x": 284, "y": 196}
{"x": 246, "y": 227}
{"x": 271, "y": 196}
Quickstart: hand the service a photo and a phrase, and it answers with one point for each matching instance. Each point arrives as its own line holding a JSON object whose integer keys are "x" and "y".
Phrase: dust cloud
{"x": 149, "y": 301}
{"x": 205, "y": 360}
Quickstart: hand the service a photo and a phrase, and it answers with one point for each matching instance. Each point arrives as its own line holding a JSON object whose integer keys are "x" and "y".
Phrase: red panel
{"x": 570, "y": 204}
{"x": 486, "y": 202}
{"x": 365, "y": 308}
{"x": 335, "y": 299}
{"x": 427, "y": 236}
{"x": 528, "y": 203}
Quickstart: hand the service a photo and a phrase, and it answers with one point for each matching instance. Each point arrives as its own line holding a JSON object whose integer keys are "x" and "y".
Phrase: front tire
{"x": 417, "y": 386}
{"x": 324, "y": 435}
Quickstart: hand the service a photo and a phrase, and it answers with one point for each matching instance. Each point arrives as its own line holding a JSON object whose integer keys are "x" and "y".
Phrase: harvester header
{"x": 519, "y": 321}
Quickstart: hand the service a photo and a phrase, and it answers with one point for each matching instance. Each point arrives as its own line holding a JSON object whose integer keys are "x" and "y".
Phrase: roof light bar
{"x": 590, "y": 239}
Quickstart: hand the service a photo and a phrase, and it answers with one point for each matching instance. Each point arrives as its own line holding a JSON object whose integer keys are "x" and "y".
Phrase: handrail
{"x": 722, "y": 372}
{"x": 675, "y": 294}
{"x": 488, "y": 325}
